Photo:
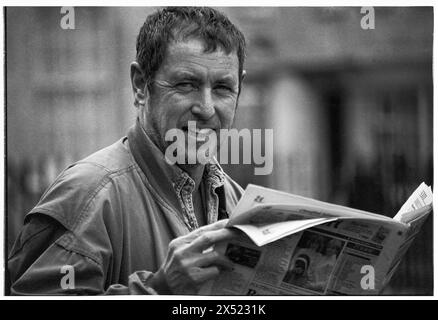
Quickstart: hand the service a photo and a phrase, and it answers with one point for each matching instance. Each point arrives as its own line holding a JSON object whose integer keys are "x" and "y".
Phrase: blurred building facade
{"x": 351, "y": 108}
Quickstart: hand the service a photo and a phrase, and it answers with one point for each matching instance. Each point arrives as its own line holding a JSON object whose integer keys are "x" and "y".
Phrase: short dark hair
{"x": 172, "y": 23}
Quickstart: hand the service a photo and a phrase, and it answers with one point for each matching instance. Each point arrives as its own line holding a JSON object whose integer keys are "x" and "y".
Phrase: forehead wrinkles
{"x": 191, "y": 55}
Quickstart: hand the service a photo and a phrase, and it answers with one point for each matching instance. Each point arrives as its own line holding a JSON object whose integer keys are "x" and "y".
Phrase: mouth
{"x": 199, "y": 134}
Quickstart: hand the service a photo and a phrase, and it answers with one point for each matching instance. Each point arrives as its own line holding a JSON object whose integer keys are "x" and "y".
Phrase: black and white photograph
{"x": 131, "y": 134}
{"x": 244, "y": 256}
{"x": 313, "y": 261}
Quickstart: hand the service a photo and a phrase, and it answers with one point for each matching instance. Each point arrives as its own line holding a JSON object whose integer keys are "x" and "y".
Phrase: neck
{"x": 195, "y": 172}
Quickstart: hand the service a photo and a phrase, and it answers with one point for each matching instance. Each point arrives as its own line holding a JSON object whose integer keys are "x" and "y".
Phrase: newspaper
{"x": 300, "y": 246}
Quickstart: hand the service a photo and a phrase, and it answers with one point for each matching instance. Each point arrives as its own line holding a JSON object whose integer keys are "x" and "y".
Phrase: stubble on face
{"x": 190, "y": 80}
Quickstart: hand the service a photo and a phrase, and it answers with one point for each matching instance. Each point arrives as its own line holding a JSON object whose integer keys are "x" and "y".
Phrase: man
{"x": 124, "y": 220}
{"x": 297, "y": 274}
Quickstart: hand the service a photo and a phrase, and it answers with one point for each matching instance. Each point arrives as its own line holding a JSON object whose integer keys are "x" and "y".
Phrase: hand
{"x": 189, "y": 264}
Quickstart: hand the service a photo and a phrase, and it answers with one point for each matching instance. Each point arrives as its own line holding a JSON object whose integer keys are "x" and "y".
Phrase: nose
{"x": 204, "y": 108}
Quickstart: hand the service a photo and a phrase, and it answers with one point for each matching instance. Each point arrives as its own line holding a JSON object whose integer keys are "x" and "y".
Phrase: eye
{"x": 186, "y": 86}
{"x": 222, "y": 88}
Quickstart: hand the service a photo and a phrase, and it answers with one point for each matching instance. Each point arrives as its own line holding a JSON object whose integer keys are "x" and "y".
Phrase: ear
{"x": 241, "y": 80}
{"x": 240, "y": 86}
{"x": 138, "y": 82}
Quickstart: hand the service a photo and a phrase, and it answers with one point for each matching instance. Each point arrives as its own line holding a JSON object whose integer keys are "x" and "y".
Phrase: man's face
{"x": 299, "y": 268}
{"x": 192, "y": 86}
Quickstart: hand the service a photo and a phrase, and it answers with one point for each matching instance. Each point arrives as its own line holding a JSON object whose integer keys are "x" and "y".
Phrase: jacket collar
{"x": 165, "y": 178}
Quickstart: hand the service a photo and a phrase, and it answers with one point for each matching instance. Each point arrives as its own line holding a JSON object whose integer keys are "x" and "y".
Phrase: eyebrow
{"x": 183, "y": 74}
{"x": 227, "y": 79}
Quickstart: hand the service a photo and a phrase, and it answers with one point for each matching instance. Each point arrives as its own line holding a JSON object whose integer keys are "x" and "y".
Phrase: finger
{"x": 220, "y": 224}
{"x": 200, "y": 275}
{"x": 214, "y": 258}
{"x": 207, "y": 239}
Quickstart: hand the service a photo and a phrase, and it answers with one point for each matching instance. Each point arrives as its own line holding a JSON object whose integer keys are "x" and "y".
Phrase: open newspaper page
{"x": 352, "y": 254}
{"x": 414, "y": 213}
{"x": 267, "y": 215}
